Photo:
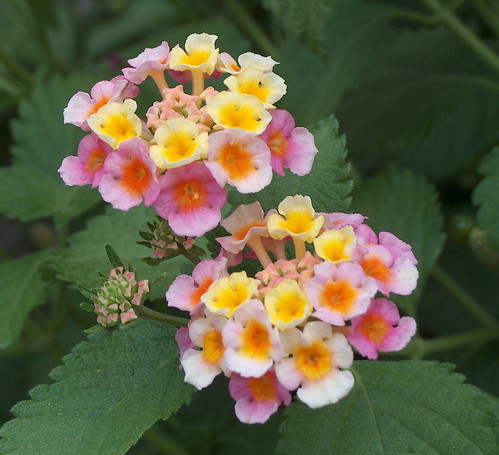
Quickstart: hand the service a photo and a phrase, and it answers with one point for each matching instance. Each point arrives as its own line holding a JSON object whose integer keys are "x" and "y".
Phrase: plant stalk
{"x": 145, "y": 312}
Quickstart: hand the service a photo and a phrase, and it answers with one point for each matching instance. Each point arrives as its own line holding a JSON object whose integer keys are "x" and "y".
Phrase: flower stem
{"x": 299, "y": 248}
{"x": 455, "y": 24}
{"x": 159, "y": 78}
{"x": 247, "y": 23}
{"x": 256, "y": 245}
{"x": 463, "y": 298}
{"x": 197, "y": 82}
{"x": 146, "y": 313}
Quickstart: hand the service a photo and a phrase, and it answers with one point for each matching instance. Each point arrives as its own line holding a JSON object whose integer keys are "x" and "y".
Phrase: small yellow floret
{"x": 201, "y": 54}
{"x": 227, "y": 293}
{"x": 287, "y": 305}
{"x": 268, "y": 87}
{"x": 336, "y": 245}
{"x": 235, "y": 110}
{"x": 116, "y": 122}
{"x": 298, "y": 220}
{"x": 178, "y": 143}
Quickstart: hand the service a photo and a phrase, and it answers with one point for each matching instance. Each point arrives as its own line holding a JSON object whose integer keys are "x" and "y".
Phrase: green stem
{"x": 413, "y": 16}
{"x": 192, "y": 257}
{"x": 488, "y": 15}
{"x": 163, "y": 442}
{"x": 463, "y": 298}
{"x": 247, "y": 22}
{"x": 147, "y": 313}
{"x": 455, "y": 24}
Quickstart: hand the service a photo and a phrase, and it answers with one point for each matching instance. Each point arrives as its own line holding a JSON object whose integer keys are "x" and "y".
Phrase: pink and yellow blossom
{"x": 336, "y": 245}
{"x": 130, "y": 176}
{"x": 257, "y": 398}
{"x": 381, "y": 329}
{"x": 88, "y": 167}
{"x": 190, "y": 199}
{"x": 315, "y": 362}
{"x": 251, "y": 343}
{"x": 186, "y": 290}
{"x": 291, "y": 148}
{"x": 240, "y": 159}
{"x": 226, "y": 294}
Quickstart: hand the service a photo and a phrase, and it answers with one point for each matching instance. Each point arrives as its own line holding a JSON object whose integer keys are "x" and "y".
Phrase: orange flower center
{"x": 263, "y": 388}
{"x": 98, "y": 104}
{"x": 277, "y": 143}
{"x": 339, "y": 296}
{"x": 197, "y": 293}
{"x": 256, "y": 341}
{"x": 314, "y": 361}
{"x": 213, "y": 347}
{"x": 374, "y": 268}
{"x": 374, "y": 327}
{"x": 190, "y": 195}
{"x": 241, "y": 233}
{"x": 236, "y": 161}
{"x": 95, "y": 160}
{"x": 136, "y": 177}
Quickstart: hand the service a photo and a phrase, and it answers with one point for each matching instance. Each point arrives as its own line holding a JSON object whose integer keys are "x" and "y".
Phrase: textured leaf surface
{"x": 486, "y": 195}
{"x": 33, "y": 188}
{"x": 328, "y": 184}
{"x": 395, "y": 408}
{"x": 21, "y": 289}
{"x": 86, "y": 253}
{"x": 428, "y": 102}
{"x": 354, "y": 38}
{"x": 406, "y": 205}
{"x": 108, "y": 392}
{"x": 305, "y": 20}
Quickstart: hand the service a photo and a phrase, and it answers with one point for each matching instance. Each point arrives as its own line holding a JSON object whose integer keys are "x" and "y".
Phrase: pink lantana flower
{"x": 380, "y": 329}
{"x": 88, "y": 167}
{"x": 257, "y": 398}
{"x": 251, "y": 343}
{"x": 130, "y": 176}
{"x": 186, "y": 290}
{"x": 313, "y": 362}
{"x": 338, "y": 220}
{"x": 151, "y": 62}
{"x": 291, "y": 148}
{"x": 190, "y": 199}
{"x": 339, "y": 292}
{"x": 82, "y": 105}
{"x": 240, "y": 159}
{"x": 201, "y": 366}
{"x": 392, "y": 274}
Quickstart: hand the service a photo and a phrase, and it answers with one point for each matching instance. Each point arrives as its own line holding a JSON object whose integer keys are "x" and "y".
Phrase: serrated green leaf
{"x": 328, "y": 184}
{"x": 486, "y": 196}
{"x": 395, "y": 408}
{"x": 108, "y": 392}
{"x": 86, "y": 253}
{"x": 33, "y": 188}
{"x": 304, "y": 20}
{"x": 21, "y": 289}
{"x": 354, "y": 38}
{"x": 113, "y": 257}
{"x": 429, "y": 102}
{"x": 405, "y": 205}
{"x": 29, "y": 194}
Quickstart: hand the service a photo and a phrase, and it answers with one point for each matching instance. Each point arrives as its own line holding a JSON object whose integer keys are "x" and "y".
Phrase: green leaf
{"x": 304, "y": 20}
{"x": 428, "y": 102}
{"x": 21, "y": 289}
{"x": 405, "y": 205}
{"x": 395, "y": 408}
{"x": 29, "y": 194}
{"x": 354, "y": 38}
{"x": 33, "y": 188}
{"x": 86, "y": 253}
{"x": 108, "y": 392}
{"x": 328, "y": 184}
{"x": 486, "y": 196}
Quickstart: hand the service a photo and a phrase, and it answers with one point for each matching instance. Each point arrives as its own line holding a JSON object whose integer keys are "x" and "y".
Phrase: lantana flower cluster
{"x": 290, "y": 329}
{"x": 192, "y": 142}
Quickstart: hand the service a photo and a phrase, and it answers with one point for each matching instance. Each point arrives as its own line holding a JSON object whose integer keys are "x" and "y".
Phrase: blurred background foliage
{"x": 414, "y": 85}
